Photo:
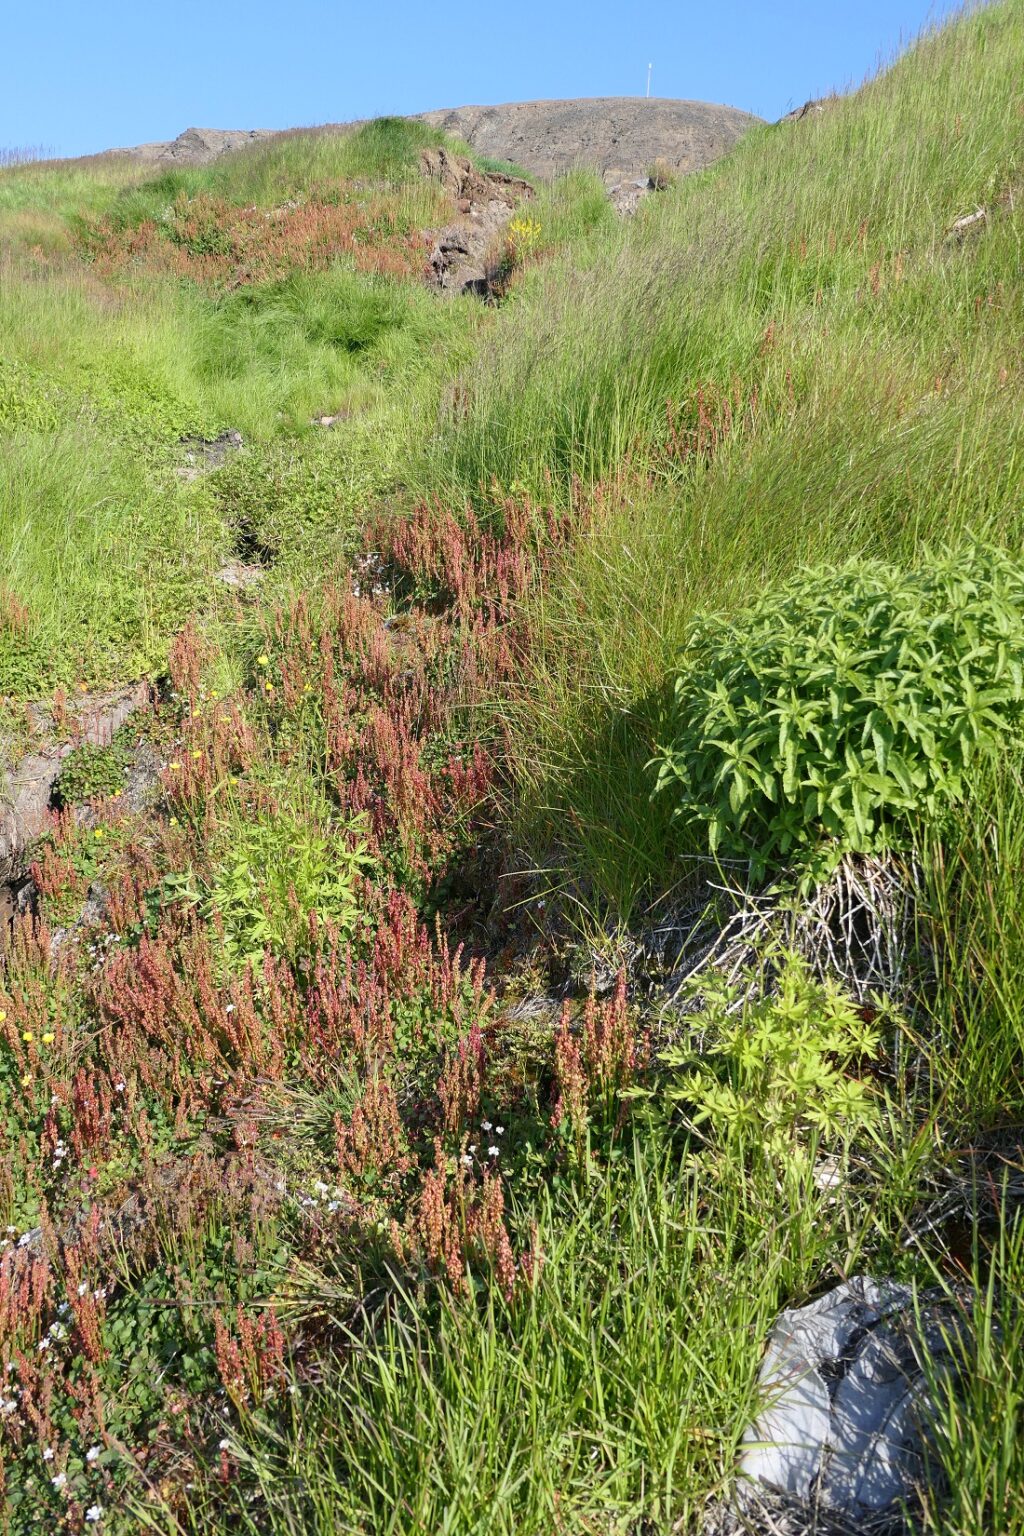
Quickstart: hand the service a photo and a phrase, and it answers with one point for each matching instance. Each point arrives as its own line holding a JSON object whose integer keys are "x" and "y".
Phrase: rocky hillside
{"x": 617, "y": 136}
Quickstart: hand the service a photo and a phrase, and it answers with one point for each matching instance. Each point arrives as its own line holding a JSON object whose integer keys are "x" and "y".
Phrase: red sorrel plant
{"x": 596, "y": 1060}
{"x": 250, "y": 1358}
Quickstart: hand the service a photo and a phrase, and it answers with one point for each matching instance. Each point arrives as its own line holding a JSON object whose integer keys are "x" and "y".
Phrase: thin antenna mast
{"x": 649, "y": 68}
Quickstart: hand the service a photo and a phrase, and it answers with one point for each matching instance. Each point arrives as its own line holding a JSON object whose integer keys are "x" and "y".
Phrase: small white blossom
{"x": 94, "y": 1513}
{"x": 485, "y": 1125}
{"x": 224, "y": 1445}
{"x": 43, "y": 1344}
{"x": 499, "y": 1130}
{"x": 466, "y": 1160}
{"x": 59, "y": 1480}
{"x": 48, "y": 1453}
{"x": 119, "y": 1087}
{"x": 82, "y": 1288}
{"x": 93, "y": 1453}
{"x": 230, "y": 1008}
{"x": 493, "y": 1151}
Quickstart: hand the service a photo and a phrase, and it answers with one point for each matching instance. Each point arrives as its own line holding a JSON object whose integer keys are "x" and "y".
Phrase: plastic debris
{"x": 848, "y": 1384}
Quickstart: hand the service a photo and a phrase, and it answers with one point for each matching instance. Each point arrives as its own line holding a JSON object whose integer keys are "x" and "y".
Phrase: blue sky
{"x": 78, "y": 76}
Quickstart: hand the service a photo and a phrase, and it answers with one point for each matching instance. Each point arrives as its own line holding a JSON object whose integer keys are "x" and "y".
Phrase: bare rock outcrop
{"x": 197, "y": 146}
{"x": 26, "y": 788}
{"x": 483, "y": 201}
{"x": 616, "y": 136}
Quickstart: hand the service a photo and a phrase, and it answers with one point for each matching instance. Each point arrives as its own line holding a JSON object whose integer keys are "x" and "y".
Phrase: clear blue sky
{"x": 83, "y": 75}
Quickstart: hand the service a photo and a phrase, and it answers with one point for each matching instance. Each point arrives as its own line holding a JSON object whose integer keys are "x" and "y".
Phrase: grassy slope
{"x": 614, "y": 1390}
{"x": 101, "y": 375}
{"x": 875, "y": 366}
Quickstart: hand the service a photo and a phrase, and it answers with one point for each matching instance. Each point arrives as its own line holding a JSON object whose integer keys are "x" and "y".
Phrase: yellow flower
{"x": 175, "y": 766}
{"x": 225, "y": 719}
{"x": 3, "y": 1015}
{"x": 174, "y": 821}
{"x": 197, "y": 755}
{"x": 26, "y": 1080}
{"x": 97, "y": 833}
{"x": 49, "y": 1037}
{"x": 263, "y": 660}
{"x": 27, "y": 1036}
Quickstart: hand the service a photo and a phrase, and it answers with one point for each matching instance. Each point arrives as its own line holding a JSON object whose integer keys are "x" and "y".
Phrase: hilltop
{"x": 617, "y": 136}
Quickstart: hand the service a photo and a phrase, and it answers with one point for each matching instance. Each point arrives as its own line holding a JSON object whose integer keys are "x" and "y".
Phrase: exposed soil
{"x": 484, "y": 201}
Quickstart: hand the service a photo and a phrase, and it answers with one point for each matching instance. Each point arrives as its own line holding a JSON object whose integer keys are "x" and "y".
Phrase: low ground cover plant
{"x": 835, "y": 713}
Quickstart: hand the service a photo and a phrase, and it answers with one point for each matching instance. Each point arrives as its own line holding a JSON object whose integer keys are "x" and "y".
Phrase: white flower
{"x": 48, "y": 1453}
{"x": 82, "y": 1288}
{"x": 119, "y": 1087}
{"x": 59, "y": 1480}
{"x": 8, "y": 1405}
{"x": 230, "y": 1008}
{"x": 321, "y": 1188}
{"x": 333, "y": 1205}
{"x": 499, "y": 1130}
{"x": 466, "y": 1160}
{"x": 224, "y": 1445}
{"x": 43, "y": 1344}
{"x": 493, "y": 1151}
{"x": 93, "y": 1453}
{"x": 485, "y": 1125}
{"x": 94, "y": 1513}
{"x": 472, "y": 1146}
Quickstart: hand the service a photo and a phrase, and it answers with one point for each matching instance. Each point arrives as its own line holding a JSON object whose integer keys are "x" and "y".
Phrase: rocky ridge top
{"x": 617, "y": 136}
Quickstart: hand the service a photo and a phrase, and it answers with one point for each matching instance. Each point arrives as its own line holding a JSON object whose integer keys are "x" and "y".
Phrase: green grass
{"x": 859, "y": 378}
{"x": 101, "y": 378}
{"x": 785, "y": 360}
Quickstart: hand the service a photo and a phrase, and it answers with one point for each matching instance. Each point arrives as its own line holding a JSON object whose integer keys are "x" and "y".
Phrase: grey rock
{"x": 205, "y": 454}
{"x": 26, "y": 788}
{"x": 616, "y": 136}
{"x": 196, "y": 146}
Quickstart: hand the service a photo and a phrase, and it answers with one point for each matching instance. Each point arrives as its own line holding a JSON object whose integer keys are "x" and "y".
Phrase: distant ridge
{"x": 616, "y": 136}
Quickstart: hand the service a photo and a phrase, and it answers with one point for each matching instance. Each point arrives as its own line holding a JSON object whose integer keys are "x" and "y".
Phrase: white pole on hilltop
{"x": 649, "y": 68}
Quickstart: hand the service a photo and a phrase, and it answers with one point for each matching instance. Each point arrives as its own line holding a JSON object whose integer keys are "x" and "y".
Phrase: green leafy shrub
{"x": 275, "y": 873}
{"x": 835, "y": 710}
{"x": 89, "y": 772}
{"x": 776, "y": 1068}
